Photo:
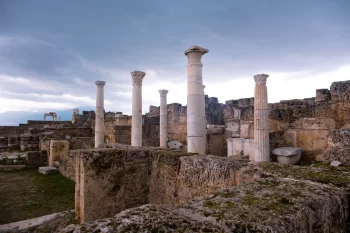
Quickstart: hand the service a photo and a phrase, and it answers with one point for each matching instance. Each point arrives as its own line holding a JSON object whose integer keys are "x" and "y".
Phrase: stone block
{"x": 47, "y": 170}
{"x": 287, "y": 151}
{"x": 323, "y": 95}
{"x": 36, "y": 158}
{"x": 234, "y": 127}
{"x": 287, "y": 155}
{"x": 58, "y": 149}
{"x": 175, "y": 145}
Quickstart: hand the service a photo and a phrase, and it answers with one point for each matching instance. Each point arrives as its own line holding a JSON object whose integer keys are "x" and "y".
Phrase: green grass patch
{"x": 28, "y": 194}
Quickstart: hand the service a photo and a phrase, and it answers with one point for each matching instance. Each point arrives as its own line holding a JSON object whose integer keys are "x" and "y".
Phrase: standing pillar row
{"x": 261, "y": 120}
{"x": 136, "y": 120}
{"x": 100, "y": 114}
{"x": 163, "y": 129}
{"x": 196, "y": 120}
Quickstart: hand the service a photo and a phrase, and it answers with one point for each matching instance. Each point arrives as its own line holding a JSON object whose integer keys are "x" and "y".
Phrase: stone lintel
{"x": 260, "y": 79}
{"x": 137, "y": 77}
{"x": 195, "y": 48}
{"x": 100, "y": 83}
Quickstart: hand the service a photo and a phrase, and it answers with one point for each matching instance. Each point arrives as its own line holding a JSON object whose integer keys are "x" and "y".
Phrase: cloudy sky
{"x": 52, "y": 52}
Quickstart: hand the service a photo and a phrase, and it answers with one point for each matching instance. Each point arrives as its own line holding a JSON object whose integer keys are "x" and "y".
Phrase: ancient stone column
{"x": 163, "y": 129}
{"x": 196, "y": 120}
{"x": 100, "y": 114}
{"x": 136, "y": 120}
{"x": 261, "y": 120}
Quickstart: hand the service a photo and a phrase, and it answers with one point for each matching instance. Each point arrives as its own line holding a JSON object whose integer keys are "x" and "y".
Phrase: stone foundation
{"x": 111, "y": 180}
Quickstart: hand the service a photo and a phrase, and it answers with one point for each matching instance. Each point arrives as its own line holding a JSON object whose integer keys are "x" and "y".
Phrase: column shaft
{"x": 261, "y": 120}
{"x": 100, "y": 115}
{"x": 196, "y": 120}
{"x": 136, "y": 120}
{"x": 163, "y": 128}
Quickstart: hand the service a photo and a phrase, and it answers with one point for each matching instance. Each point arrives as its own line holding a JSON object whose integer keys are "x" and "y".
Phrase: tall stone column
{"x": 196, "y": 120}
{"x": 261, "y": 120}
{"x": 136, "y": 120}
{"x": 100, "y": 114}
{"x": 163, "y": 129}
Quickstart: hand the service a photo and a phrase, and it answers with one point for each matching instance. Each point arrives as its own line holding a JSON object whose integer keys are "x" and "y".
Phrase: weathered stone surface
{"x": 336, "y": 176}
{"x": 29, "y": 142}
{"x": 47, "y": 170}
{"x": 340, "y": 91}
{"x": 313, "y": 142}
{"x": 58, "y": 149}
{"x": 111, "y": 180}
{"x": 36, "y": 158}
{"x": 338, "y": 147}
{"x": 266, "y": 206}
{"x": 11, "y": 167}
{"x": 323, "y": 95}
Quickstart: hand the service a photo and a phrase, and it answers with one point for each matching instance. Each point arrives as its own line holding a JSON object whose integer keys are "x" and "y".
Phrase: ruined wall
{"x": 5, "y": 131}
{"x": 120, "y": 134}
{"x": 62, "y": 133}
{"x": 29, "y": 142}
{"x": 110, "y": 180}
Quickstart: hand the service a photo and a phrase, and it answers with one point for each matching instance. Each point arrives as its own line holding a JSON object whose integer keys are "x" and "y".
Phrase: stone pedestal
{"x": 261, "y": 120}
{"x": 196, "y": 120}
{"x": 100, "y": 114}
{"x": 163, "y": 129}
{"x": 136, "y": 120}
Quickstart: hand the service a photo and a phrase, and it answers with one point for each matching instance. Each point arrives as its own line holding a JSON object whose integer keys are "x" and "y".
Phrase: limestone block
{"x": 47, "y": 170}
{"x": 338, "y": 147}
{"x": 239, "y": 147}
{"x": 217, "y": 129}
{"x": 58, "y": 149}
{"x": 312, "y": 141}
{"x": 323, "y": 95}
{"x": 175, "y": 145}
{"x": 287, "y": 155}
{"x": 335, "y": 163}
{"x": 340, "y": 91}
{"x": 237, "y": 113}
{"x": 315, "y": 123}
{"x": 234, "y": 127}
{"x": 287, "y": 151}
{"x": 36, "y": 158}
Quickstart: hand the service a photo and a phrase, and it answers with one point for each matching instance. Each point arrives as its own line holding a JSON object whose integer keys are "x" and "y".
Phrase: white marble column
{"x": 196, "y": 120}
{"x": 136, "y": 120}
{"x": 261, "y": 120}
{"x": 163, "y": 128}
{"x": 100, "y": 114}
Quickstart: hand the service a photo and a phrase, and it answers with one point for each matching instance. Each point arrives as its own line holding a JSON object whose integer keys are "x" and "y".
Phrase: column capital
{"x": 163, "y": 93}
{"x": 100, "y": 83}
{"x": 137, "y": 77}
{"x": 196, "y": 48}
{"x": 260, "y": 79}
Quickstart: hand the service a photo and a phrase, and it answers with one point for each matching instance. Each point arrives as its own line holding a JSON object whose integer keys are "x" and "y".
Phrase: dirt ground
{"x": 26, "y": 194}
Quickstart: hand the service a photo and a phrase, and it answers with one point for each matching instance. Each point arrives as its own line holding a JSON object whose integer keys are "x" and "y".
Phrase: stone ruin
{"x": 204, "y": 167}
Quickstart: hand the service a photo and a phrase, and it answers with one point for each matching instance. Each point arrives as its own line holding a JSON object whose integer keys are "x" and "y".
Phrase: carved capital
{"x": 100, "y": 83}
{"x": 163, "y": 93}
{"x": 137, "y": 77}
{"x": 260, "y": 79}
{"x": 195, "y": 48}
